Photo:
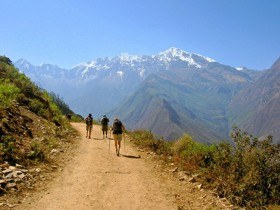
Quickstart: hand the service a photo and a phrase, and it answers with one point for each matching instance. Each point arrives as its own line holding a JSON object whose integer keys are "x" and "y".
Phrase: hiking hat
{"x": 104, "y": 115}
{"x": 89, "y": 115}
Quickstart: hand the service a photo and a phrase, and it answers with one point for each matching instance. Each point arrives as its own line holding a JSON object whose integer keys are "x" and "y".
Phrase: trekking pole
{"x": 124, "y": 141}
{"x": 109, "y": 146}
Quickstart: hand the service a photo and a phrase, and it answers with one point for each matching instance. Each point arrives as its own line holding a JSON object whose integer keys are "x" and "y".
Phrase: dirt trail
{"x": 96, "y": 178}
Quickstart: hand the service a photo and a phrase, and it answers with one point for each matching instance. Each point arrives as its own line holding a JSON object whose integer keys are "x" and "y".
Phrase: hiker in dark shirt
{"x": 89, "y": 124}
{"x": 118, "y": 129}
{"x": 104, "y": 123}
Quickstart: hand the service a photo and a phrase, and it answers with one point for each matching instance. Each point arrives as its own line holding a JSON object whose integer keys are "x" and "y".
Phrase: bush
{"x": 37, "y": 151}
{"x": 7, "y": 148}
{"x": 146, "y": 139}
{"x": 247, "y": 173}
{"x": 8, "y": 93}
{"x": 192, "y": 154}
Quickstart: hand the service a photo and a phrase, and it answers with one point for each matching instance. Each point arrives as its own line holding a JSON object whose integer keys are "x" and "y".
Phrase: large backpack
{"x": 117, "y": 127}
{"x": 104, "y": 121}
{"x": 89, "y": 120}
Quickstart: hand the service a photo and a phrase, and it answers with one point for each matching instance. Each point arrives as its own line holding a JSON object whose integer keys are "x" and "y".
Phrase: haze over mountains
{"x": 170, "y": 93}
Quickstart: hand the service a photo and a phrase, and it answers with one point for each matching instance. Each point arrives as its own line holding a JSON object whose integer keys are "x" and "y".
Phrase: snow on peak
{"x": 142, "y": 72}
{"x": 120, "y": 74}
{"x": 240, "y": 68}
{"x": 176, "y": 53}
{"x": 126, "y": 58}
{"x": 210, "y": 60}
{"x": 173, "y": 52}
{"x": 24, "y": 63}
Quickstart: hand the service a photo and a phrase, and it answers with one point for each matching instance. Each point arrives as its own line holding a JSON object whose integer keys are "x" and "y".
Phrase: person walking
{"x": 118, "y": 129}
{"x": 104, "y": 123}
{"x": 89, "y": 124}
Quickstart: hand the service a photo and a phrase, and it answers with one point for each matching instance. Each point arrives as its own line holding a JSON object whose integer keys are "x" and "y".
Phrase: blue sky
{"x": 68, "y": 32}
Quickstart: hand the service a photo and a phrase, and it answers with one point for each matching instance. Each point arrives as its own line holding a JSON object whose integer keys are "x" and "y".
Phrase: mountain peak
{"x": 276, "y": 64}
{"x": 174, "y": 53}
{"x": 23, "y": 62}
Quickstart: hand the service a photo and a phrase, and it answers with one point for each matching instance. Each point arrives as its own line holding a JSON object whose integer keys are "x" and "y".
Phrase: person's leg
{"x": 89, "y": 135}
{"x": 119, "y": 142}
{"x": 116, "y": 142}
{"x": 86, "y": 131}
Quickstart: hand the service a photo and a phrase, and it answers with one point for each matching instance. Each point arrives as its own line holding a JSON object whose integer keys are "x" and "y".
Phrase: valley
{"x": 170, "y": 93}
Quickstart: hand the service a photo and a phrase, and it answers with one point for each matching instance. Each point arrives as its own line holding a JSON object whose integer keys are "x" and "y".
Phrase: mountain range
{"x": 170, "y": 93}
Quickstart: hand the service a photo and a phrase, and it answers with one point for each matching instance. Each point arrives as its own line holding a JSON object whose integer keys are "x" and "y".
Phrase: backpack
{"x": 89, "y": 120}
{"x": 117, "y": 127}
{"x": 104, "y": 121}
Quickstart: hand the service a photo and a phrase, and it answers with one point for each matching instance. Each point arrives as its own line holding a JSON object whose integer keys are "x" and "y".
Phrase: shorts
{"x": 89, "y": 127}
{"x": 117, "y": 137}
{"x": 104, "y": 127}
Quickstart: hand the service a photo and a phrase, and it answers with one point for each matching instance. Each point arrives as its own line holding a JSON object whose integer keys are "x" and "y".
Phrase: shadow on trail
{"x": 97, "y": 139}
{"x": 131, "y": 156}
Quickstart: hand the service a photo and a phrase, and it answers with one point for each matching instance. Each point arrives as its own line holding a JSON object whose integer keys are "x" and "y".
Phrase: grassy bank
{"x": 246, "y": 173}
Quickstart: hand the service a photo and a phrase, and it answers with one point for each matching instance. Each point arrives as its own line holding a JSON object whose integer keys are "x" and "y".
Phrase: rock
{"x": 199, "y": 186}
{"x": 21, "y": 176}
{"x": 7, "y": 171}
{"x": 38, "y": 170}
{"x": 54, "y": 151}
{"x": 11, "y": 185}
{"x": 18, "y": 166}
{"x": 174, "y": 170}
{"x": 196, "y": 175}
{"x": 9, "y": 176}
{"x": 182, "y": 178}
{"x": 192, "y": 179}
{"x": 2, "y": 181}
{"x": 12, "y": 168}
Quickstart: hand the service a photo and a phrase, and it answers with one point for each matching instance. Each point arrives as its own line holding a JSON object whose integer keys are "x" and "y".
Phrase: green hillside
{"x": 32, "y": 125}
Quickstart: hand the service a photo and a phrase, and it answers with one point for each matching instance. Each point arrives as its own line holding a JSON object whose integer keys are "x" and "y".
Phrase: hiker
{"x": 89, "y": 122}
{"x": 104, "y": 123}
{"x": 118, "y": 129}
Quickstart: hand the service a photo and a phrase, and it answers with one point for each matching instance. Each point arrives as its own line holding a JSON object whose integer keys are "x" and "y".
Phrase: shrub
{"x": 191, "y": 153}
{"x": 147, "y": 139}
{"x": 249, "y": 172}
{"x": 7, "y": 148}
{"x": 8, "y": 93}
{"x": 37, "y": 151}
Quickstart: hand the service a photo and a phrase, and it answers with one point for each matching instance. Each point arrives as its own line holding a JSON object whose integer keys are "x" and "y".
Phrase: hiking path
{"x": 95, "y": 178}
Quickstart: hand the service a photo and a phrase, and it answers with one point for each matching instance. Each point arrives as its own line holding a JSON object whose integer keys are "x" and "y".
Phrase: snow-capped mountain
{"x": 100, "y": 85}
{"x": 174, "y": 54}
{"x": 121, "y": 65}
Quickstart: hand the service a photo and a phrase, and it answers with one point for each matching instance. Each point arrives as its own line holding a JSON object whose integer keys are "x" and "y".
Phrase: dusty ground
{"x": 95, "y": 178}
